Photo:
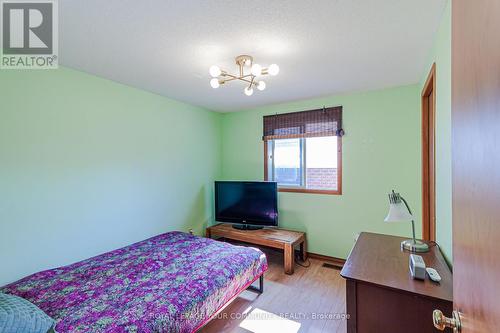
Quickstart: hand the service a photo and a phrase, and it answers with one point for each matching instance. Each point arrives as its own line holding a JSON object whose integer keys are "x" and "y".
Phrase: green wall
{"x": 381, "y": 152}
{"x": 88, "y": 165}
{"x": 441, "y": 55}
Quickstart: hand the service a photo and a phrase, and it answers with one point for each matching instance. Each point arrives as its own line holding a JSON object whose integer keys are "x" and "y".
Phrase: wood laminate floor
{"x": 310, "y": 300}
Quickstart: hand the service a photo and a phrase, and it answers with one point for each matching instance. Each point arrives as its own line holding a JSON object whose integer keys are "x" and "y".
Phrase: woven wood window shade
{"x": 320, "y": 122}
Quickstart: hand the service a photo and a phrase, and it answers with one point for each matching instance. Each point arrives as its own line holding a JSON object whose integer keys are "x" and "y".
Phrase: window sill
{"x": 312, "y": 191}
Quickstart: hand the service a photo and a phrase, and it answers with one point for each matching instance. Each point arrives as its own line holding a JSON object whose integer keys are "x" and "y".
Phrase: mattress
{"x": 174, "y": 283}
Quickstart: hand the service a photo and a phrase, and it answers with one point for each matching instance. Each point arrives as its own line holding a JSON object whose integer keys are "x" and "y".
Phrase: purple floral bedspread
{"x": 171, "y": 283}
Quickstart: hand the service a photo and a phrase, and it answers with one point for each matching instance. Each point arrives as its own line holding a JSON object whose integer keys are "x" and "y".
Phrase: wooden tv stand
{"x": 271, "y": 237}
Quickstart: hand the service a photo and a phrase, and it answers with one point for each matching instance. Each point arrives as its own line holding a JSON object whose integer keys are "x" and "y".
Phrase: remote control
{"x": 433, "y": 274}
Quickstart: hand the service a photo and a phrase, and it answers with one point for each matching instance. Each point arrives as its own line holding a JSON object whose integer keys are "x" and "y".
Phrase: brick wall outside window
{"x": 322, "y": 178}
{"x": 317, "y": 178}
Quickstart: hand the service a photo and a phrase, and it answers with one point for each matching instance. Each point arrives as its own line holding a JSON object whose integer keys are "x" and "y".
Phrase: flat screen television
{"x": 250, "y": 205}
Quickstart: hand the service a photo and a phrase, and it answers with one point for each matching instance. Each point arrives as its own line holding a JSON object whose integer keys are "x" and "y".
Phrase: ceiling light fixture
{"x": 220, "y": 76}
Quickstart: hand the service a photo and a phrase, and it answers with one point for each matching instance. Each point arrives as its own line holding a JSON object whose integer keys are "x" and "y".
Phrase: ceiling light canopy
{"x": 245, "y": 64}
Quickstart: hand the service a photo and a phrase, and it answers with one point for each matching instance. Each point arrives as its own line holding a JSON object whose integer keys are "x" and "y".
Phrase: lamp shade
{"x": 398, "y": 213}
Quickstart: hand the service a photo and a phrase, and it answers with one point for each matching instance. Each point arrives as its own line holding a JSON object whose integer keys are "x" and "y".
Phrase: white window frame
{"x": 269, "y": 169}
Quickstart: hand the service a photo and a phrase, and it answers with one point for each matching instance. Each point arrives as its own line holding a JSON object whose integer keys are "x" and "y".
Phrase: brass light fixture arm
{"x": 251, "y": 82}
{"x": 241, "y": 78}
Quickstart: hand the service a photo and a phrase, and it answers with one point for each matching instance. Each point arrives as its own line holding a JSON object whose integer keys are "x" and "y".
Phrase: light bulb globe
{"x": 273, "y": 69}
{"x": 215, "y": 83}
{"x": 248, "y": 91}
{"x": 256, "y": 69}
{"x": 215, "y": 71}
{"x": 261, "y": 85}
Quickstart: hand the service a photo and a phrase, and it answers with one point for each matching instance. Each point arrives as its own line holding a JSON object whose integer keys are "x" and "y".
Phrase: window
{"x": 303, "y": 151}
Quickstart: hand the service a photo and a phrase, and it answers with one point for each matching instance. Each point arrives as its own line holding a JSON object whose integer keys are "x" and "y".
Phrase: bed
{"x": 174, "y": 283}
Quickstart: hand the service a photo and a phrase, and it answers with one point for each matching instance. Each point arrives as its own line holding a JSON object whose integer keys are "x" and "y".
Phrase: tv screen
{"x": 253, "y": 203}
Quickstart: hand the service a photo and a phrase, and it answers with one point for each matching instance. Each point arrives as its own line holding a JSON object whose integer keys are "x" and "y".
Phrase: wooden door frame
{"x": 428, "y": 175}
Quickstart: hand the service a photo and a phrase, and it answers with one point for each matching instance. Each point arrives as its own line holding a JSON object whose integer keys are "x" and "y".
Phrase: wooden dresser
{"x": 381, "y": 295}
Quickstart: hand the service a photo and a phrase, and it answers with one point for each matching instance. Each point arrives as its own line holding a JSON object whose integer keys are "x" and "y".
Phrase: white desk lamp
{"x": 402, "y": 213}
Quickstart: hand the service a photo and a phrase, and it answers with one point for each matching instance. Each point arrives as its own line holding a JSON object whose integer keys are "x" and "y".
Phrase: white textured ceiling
{"x": 323, "y": 47}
